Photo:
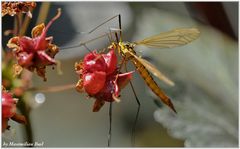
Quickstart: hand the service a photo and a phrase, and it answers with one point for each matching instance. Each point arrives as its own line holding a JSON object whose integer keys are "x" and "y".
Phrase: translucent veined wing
{"x": 171, "y": 39}
{"x": 153, "y": 70}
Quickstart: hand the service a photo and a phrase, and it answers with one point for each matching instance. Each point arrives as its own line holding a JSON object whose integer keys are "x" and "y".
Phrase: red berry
{"x": 111, "y": 61}
{"x": 94, "y": 82}
{"x": 94, "y": 62}
{"x": 106, "y": 92}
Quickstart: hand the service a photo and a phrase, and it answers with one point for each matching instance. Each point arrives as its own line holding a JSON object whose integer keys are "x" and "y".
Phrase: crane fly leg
{"x": 137, "y": 114}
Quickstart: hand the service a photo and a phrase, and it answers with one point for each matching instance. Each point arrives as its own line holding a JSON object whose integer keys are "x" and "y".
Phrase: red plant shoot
{"x": 36, "y": 52}
{"x": 99, "y": 78}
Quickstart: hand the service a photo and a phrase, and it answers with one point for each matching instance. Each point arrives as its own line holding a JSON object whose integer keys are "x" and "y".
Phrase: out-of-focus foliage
{"x": 205, "y": 74}
{"x": 8, "y": 80}
{"x": 16, "y": 86}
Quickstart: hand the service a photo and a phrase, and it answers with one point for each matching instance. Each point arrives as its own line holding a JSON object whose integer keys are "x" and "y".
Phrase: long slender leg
{"x": 120, "y": 29}
{"x": 85, "y": 42}
{"x": 137, "y": 114}
{"x": 110, "y": 125}
{"x": 95, "y": 28}
{"x": 120, "y": 26}
{"x": 92, "y": 30}
{"x": 87, "y": 48}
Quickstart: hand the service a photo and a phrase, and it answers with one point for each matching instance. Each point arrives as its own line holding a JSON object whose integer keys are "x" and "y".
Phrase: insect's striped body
{"x": 127, "y": 51}
{"x": 168, "y": 39}
{"x": 151, "y": 83}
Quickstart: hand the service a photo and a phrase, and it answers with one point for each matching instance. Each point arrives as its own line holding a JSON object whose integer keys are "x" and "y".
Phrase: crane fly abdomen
{"x": 151, "y": 83}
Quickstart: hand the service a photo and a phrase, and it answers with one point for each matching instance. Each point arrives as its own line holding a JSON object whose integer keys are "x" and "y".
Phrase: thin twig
{"x": 25, "y": 24}
{"x": 16, "y": 26}
{"x": 44, "y": 12}
{"x": 52, "y": 88}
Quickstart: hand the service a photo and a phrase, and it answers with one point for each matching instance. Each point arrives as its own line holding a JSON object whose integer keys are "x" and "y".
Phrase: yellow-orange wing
{"x": 171, "y": 38}
{"x": 153, "y": 70}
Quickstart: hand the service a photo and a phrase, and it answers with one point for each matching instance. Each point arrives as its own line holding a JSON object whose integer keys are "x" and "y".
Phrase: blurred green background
{"x": 205, "y": 73}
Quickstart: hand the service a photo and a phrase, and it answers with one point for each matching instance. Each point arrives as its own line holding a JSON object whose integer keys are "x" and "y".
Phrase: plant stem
{"x": 16, "y": 26}
{"x": 25, "y": 110}
{"x": 52, "y": 88}
{"x": 44, "y": 9}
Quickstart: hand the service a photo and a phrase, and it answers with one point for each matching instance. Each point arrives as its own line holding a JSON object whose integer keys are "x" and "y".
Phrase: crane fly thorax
{"x": 125, "y": 48}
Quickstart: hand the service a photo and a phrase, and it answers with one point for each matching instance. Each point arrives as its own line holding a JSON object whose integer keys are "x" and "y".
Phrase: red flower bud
{"x": 36, "y": 52}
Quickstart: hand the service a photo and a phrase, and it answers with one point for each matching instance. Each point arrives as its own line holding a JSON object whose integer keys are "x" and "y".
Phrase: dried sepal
{"x": 37, "y": 30}
{"x": 17, "y": 69}
{"x": 79, "y": 86}
{"x": 13, "y": 8}
{"x": 13, "y": 44}
{"x": 98, "y": 105}
{"x": 41, "y": 72}
{"x": 52, "y": 50}
{"x": 79, "y": 68}
{"x": 3, "y": 89}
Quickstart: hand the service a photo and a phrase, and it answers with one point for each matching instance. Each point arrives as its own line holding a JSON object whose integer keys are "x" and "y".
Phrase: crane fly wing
{"x": 171, "y": 38}
{"x": 153, "y": 70}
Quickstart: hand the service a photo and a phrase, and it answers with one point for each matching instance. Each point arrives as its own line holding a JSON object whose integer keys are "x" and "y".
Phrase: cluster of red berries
{"x": 100, "y": 77}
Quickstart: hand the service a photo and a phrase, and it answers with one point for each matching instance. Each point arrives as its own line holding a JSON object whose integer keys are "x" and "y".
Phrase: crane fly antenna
{"x": 110, "y": 125}
{"x": 110, "y": 39}
{"x": 137, "y": 114}
{"x": 95, "y": 28}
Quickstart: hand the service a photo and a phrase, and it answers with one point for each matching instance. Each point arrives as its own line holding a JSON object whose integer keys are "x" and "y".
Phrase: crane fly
{"x": 170, "y": 39}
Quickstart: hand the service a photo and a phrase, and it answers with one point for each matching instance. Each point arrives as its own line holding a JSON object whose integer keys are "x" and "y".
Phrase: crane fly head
{"x": 126, "y": 48}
